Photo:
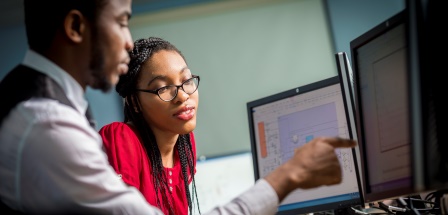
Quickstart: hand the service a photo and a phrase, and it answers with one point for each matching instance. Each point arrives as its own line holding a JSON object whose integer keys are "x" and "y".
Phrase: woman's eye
{"x": 162, "y": 89}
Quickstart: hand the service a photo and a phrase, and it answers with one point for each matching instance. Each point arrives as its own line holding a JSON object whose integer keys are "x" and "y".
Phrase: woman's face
{"x": 177, "y": 116}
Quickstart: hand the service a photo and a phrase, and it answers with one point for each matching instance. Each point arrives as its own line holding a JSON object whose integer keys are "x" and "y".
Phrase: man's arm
{"x": 313, "y": 165}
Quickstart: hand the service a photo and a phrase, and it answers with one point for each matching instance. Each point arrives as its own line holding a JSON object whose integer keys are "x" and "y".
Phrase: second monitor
{"x": 400, "y": 131}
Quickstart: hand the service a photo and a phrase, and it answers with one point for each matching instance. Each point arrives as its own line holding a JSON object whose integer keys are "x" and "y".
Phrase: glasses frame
{"x": 156, "y": 91}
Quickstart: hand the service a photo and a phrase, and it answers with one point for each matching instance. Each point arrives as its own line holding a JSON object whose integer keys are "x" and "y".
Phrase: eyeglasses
{"x": 168, "y": 93}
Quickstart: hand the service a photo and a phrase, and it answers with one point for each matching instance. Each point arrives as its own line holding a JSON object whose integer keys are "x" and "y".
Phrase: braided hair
{"x": 126, "y": 88}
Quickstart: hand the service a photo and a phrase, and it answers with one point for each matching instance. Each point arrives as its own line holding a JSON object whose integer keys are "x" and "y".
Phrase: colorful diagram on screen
{"x": 300, "y": 127}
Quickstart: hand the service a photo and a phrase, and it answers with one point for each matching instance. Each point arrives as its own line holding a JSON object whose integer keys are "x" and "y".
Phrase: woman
{"x": 154, "y": 148}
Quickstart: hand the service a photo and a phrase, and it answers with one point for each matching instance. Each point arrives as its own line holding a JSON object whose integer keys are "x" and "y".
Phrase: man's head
{"x": 87, "y": 38}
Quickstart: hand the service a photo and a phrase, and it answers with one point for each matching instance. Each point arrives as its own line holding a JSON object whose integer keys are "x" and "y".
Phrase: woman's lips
{"x": 185, "y": 113}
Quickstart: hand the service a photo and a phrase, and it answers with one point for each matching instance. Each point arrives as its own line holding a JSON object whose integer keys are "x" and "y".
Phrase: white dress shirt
{"x": 51, "y": 160}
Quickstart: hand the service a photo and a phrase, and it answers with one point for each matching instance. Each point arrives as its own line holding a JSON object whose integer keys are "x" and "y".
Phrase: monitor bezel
{"x": 345, "y": 74}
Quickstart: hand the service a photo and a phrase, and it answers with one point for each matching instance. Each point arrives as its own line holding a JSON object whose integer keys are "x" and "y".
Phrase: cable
{"x": 385, "y": 207}
{"x": 408, "y": 210}
{"x": 392, "y": 208}
{"x": 437, "y": 197}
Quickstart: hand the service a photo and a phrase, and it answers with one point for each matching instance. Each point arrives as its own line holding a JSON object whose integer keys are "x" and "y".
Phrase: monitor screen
{"x": 281, "y": 122}
{"x": 379, "y": 59}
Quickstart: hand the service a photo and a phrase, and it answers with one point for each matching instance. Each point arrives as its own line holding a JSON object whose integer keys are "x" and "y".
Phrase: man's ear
{"x": 75, "y": 26}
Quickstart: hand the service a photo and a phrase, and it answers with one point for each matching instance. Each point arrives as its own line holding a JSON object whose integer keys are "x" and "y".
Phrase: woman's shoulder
{"x": 115, "y": 127}
{"x": 116, "y": 130}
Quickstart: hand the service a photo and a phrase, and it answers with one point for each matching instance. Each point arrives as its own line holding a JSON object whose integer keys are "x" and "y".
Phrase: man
{"x": 51, "y": 159}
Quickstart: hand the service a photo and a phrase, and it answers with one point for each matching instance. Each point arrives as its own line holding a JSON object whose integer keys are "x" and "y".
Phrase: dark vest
{"x": 24, "y": 83}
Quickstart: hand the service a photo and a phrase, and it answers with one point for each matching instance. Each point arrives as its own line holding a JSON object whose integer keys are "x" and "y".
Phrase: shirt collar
{"x": 73, "y": 90}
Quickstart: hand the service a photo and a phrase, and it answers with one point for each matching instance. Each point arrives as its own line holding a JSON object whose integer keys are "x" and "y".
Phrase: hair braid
{"x": 142, "y": 52}
{"x": 186, "y": 154}
{"x": 153, "y": 152}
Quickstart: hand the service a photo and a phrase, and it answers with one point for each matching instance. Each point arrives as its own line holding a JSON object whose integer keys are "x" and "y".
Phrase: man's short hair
{"x": 44, "y": 17}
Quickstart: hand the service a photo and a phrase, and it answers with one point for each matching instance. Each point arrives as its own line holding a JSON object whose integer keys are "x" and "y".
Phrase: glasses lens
{"x": 191, "y": 85}
{"x": 167, "y": 93}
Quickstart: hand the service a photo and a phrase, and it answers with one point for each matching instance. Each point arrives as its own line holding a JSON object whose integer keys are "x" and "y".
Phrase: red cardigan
{"x": 127, "y": 156}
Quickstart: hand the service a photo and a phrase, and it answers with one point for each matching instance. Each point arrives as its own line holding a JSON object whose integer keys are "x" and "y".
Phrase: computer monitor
{"x": 284, "y": 121}
{"x": 345, "y": 74}
{"x": 380, "y": 76}
{"x": 398, "y": 107}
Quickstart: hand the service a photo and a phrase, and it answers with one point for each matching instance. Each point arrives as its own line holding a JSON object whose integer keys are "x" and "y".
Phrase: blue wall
{"x": 351, "y": 18}
{"x": 13, "y": 46}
